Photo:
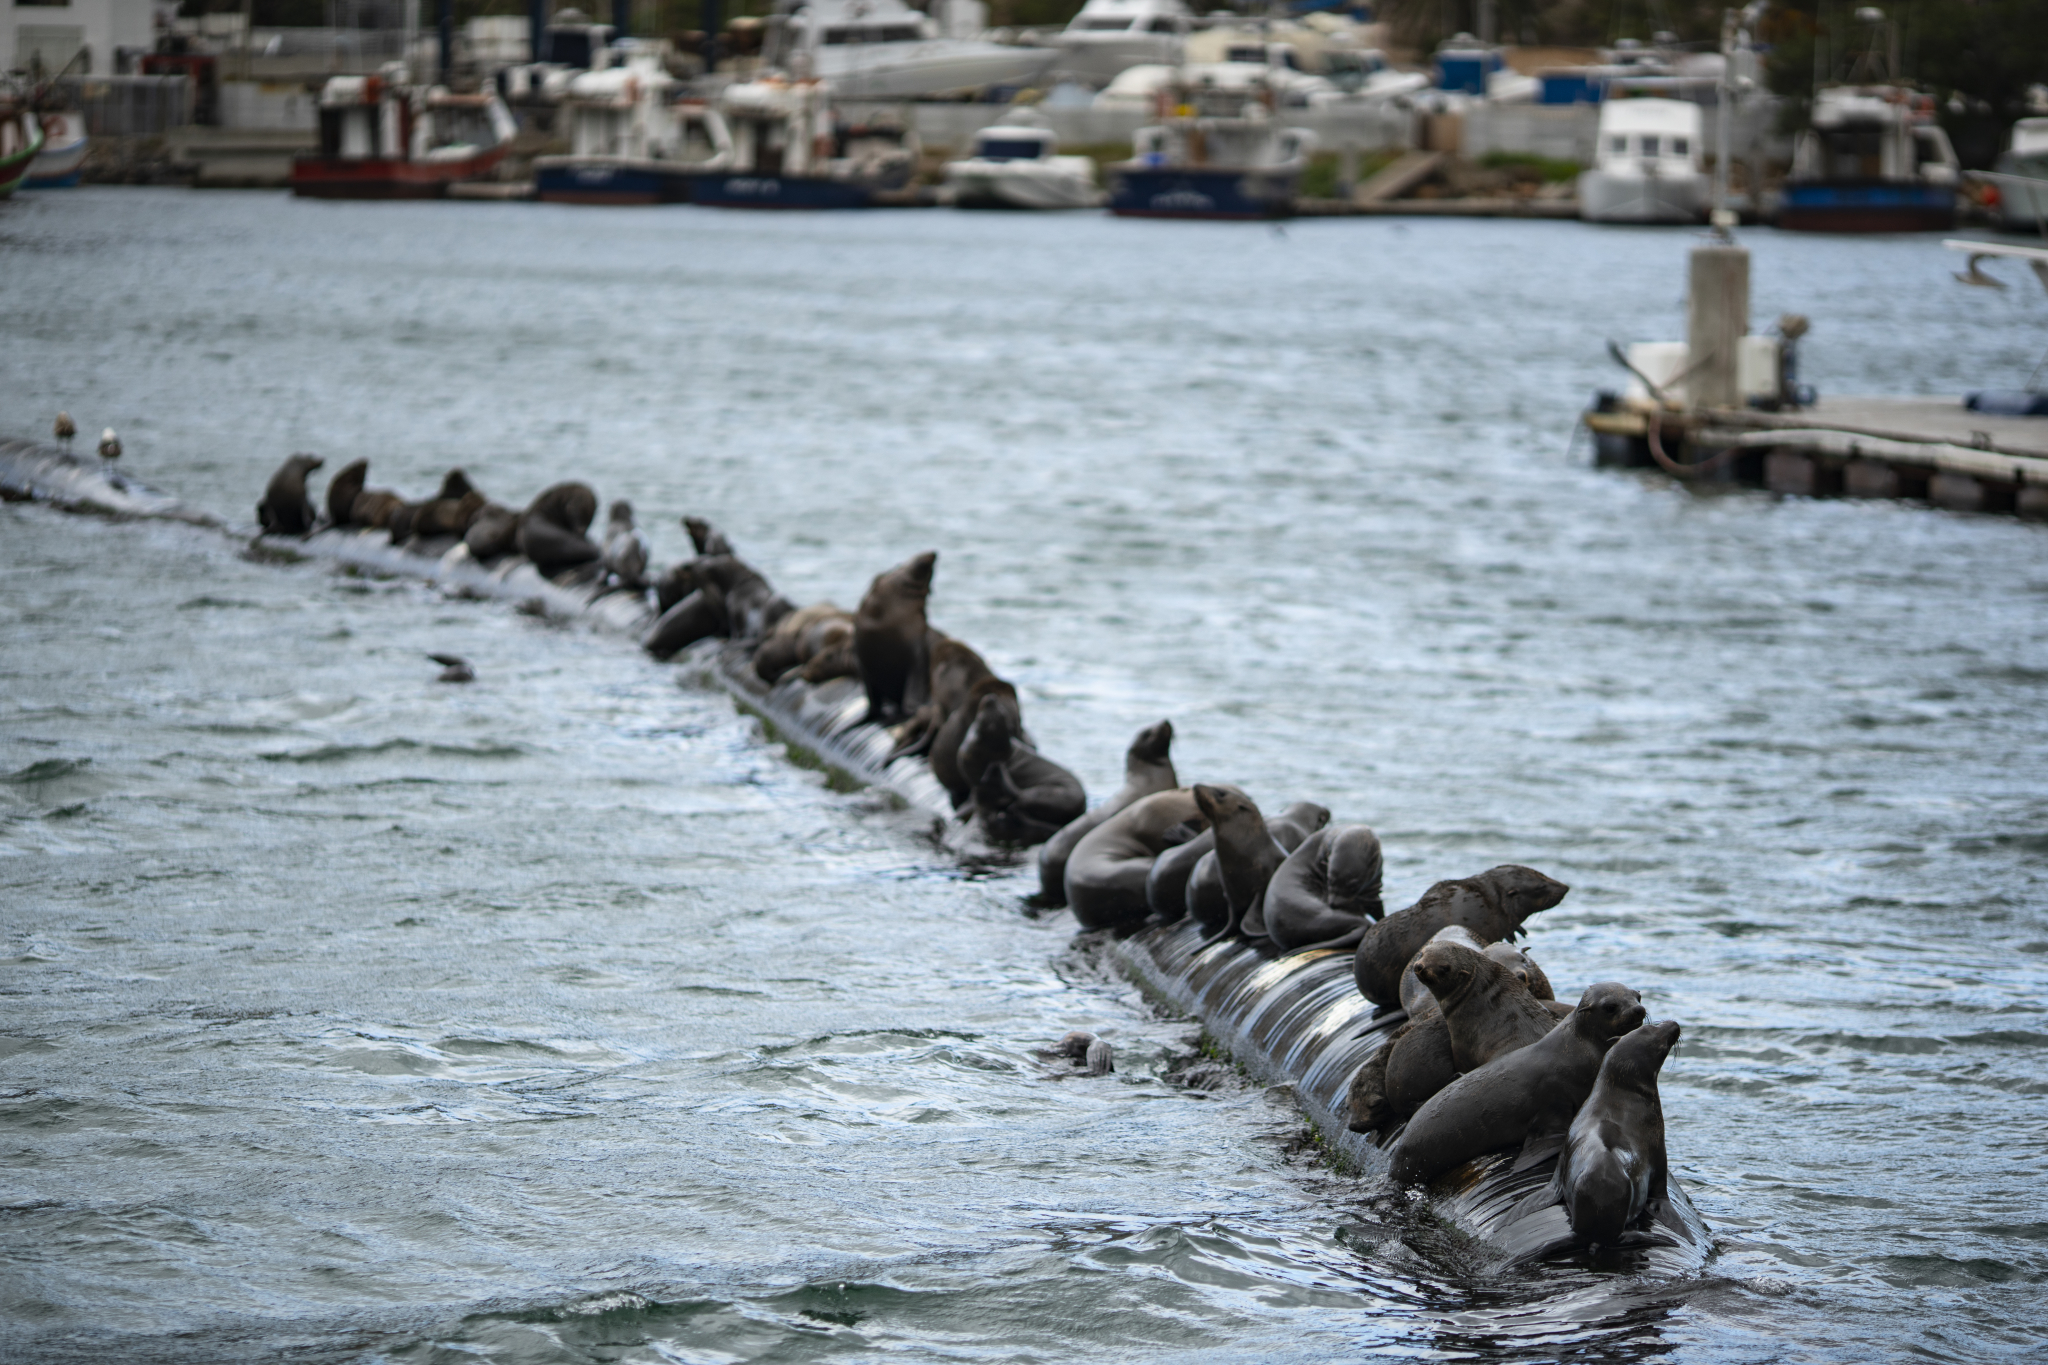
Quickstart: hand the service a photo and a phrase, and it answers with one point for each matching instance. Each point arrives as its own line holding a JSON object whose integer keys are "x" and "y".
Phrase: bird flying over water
{"x": 454, "y": 668}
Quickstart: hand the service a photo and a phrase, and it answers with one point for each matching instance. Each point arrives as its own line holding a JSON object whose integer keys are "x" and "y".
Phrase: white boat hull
{"x": 1605, "y": 197}
{"x": 1096, "y": 59}
{"x": 904, "y": 70}
{"x": 1023, "y": 184}
{"x": 64, "y": 148}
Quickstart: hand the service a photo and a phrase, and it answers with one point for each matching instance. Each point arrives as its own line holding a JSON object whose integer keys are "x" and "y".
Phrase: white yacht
{"x": 2022, "y": 177}
{"x": 883, "y": 49}
{"x": 1015, "y": 165}
{"x": 1109, "y": 36}
{"x": 1649, "y": 166}
{"x": 630, "y": 140}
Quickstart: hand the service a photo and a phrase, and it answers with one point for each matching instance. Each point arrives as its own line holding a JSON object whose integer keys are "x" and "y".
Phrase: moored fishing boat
{"x": 1015, "y": 165}
{"x": 790, "y": 151}
{"x": 1649, "y": 164}
{"x": 630, "y": 140}
{"x": 62, "y": 160}
{"x": 21, "y": 140}
{"x": 381, "y": 138}
{"x": 1873, "y": 161}
{"x": 1216, "y": 152}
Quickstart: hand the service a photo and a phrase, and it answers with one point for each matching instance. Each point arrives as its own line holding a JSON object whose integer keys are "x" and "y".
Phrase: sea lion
{"x": 1207, "y": 903}
{"x": 728, "y": 597}
{"x": 625, "y": 548}
{"x": 1492, "y": 905}
{"x": 800, "y": 637}
{"x": 1021, "y": 797}
{"x": 1488, "y": 1009}
{"x": 956, "y": 679}
{"x": 1148, "y": 768}
{"x": 957, "y": 771}
{"x": 449, "y": 511}
{"x": 708, "y": 539}
{"x": 1530, "y": 1093}
{"x": 889, "y": 632}
{"x": 1524, "y": 967}
{"x": 834, "y": 661}
{"x": 1106, "y": 871}
{"x": 700, "y": 616}
{"x": 1166, "y": 886}
{"x": 374, "y": 508}
{"x": 1327, "y": 891}
{"x": 551, "y": 534}
{"x": 493, "y": 532}
{"x": 343, "y": 490}
{"x": 1248, "y": 853}
{"x": 1612, "y": 1176}
{"x": 1415, "y": 996}
{"x": 285, "y": 509}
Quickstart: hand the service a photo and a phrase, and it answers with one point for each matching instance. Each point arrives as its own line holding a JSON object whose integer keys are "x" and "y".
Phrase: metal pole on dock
{"x": 1724, "y": 124}
{"x": 444, "y": 23}
{"x": 537, "y": 29}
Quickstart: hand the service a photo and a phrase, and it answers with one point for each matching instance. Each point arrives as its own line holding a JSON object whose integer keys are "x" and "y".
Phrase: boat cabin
{"x": 1010, "y": 142}
{"x": 1874, "y": 133}
{"x": 378, "y": 118}
{"x": 1650, "y": 137}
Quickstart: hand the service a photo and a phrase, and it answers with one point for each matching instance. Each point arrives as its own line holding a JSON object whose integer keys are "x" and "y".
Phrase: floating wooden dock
{"x": 1924, "y": 449}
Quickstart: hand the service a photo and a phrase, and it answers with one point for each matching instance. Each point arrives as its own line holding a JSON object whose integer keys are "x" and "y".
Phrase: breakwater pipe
{"x": 1297, "y": 1021}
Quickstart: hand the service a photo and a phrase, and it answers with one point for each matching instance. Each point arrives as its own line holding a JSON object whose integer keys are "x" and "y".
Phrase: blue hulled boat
{"x": 1216, "y": 152}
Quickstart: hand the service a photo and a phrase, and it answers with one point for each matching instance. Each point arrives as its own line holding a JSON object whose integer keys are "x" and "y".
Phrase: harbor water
{"x": 560, "y": 1017}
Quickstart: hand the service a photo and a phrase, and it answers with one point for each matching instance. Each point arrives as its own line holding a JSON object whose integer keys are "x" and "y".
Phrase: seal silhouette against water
{"x": 1530, "y": 1093}
{"x": 1492, "y": 905}
{"x": 1148, "y": 768}
{"x": 1021, "y": 796}
{"x": 889, "y": 630}
{"x": 1327, "y": 891}
{"x": 285, "y": 509}
{"x": 551, "y": 534}
{"x": 1612, "y": 1175}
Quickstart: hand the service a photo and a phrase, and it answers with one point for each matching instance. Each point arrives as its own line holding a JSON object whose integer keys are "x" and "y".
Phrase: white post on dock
{"x": 1717, "y": 318}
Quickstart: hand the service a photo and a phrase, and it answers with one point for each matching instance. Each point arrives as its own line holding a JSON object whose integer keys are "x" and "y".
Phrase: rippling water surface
{"x": 560, "y": 1018}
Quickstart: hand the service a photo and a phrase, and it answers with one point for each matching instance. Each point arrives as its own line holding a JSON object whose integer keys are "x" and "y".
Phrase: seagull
{"x": 454, "y": 668}
{"x": 110, "y": 445}
{"x": 65, "y": 429}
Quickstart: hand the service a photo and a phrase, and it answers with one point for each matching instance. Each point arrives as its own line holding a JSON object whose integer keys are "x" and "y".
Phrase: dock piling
{"x": 1717, "y": 318}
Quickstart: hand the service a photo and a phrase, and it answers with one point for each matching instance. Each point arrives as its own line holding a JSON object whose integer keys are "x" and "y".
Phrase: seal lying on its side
{"x": 1492, "y": 905}
{"x": 1021, "y": 796}
{"x": 1611, "y": 1176}
{"x": 1530, "y": 1093}
{"x": 1148, "y": 768}
{"x": 285, "y": 509}
{"x": 551, "y": 534}
{"x": 800, "y": 637}
{"x": 1106, "y": 871}
{"x": 1327, "y": 891}
{"x": 889, "y": 633}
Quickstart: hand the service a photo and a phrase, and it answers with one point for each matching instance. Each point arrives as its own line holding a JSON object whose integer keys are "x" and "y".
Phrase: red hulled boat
{"x": 381, "y": 138}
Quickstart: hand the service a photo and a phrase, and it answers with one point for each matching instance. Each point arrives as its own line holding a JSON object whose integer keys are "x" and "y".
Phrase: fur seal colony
{"x": 1421, "y": 1043}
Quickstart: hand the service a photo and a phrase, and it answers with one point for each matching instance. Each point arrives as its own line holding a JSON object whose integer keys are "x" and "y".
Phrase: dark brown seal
{"x": 343, "y": 490}
{"x": 1327, "y": 891}
{"x": 493, "y": 532}
{"x": 1530, "y": 1093}
{"x": 285, "y": 509}
{"x": 1612, "y": 1175}
{"x": 449, "y": 511}
{"x": 374, "y": 508}
{"x": 1488, "y": 1008}
{"x": 724, "y": 597}
{"x": 1248, "y": 852}
{"x": 1166, "y": 886}
{"x": 801, "y": 636}
{"x": 1148, "y": 768}
{"x": 1106, "y": 871}
{"x": 889, "y": 639}
{"x": 953, "y": 669}
{"x": 551, "y": 534}
{"x": 1021, "y": 797}
{"x": 1492, "y": 905}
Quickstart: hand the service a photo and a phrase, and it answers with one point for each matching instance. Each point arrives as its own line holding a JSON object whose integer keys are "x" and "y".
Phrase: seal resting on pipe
{"x": 1148, "y": 768}
{"x": 1327, "y": 891}
{"x": 625, "y": 548}
{"x": 707, "y": 539}
{"x": 285, "y": 509}
{"x": 1106, "y": 871}
{"x": 889, "y": 631}
{"x": 1021, "y": 797}
{"x": 1612, "y": 1177}
{"x": 952, "y": 672}
{"x": 1492, "y": 905}
{"x": 344, "y": 489}
{"x": 1527, "y": 1095}
{"x": 447, "y": 513}
{"x": 721, "y": 595}
{"x": 1250, "y": 848}
{"x": 1166, "y": 886}
{"x": 800, "y": 637}
{"x": 551, "y": 534}
{"x": 493, "y": 532}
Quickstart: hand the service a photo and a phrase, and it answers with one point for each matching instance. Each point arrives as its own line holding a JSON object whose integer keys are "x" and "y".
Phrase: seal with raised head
{"x": 1248, "y": 852}
{"x": 449, "y": 511}
{"x": 1148, "y": 768}
{"x": 707, "y": 539}
{"x": 955, "y": 770}
{"x": 1022, "y": 797}
{"x": 726, "y": 596}
{"x": 285, "y": 509}
{"x": 800, "y": 637}
{"x": 343, "y": 490}
{"x": 551, "y": 534}
{"x": 1492, "y": 905}
{"x": 1522, "y": 1096}
{"x": 1327, "y": 891}
{"x": 1612, "y": 1175}
{"x": 889, "y": 632}
{"x": 625, "y": 548}
{"x": 1106, "y": 871}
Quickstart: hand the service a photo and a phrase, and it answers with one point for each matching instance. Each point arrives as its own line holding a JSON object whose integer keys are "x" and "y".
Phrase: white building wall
{"x": 59, "y": 30}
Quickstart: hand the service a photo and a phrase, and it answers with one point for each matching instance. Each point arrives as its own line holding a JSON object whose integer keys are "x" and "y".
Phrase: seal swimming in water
{"x": 1327, "y": 891}
{"x": 800, "y": 637}
{"x": 1612, "y": 1176}
{"x": 285, "y": 509}
{"x": 1492, "y": 905}
{"x": 1148, "y": 768}
{"x": 1106, "y": 871}
{"x": 625, "y": 548}
{"x": 1530, "y": 1093}
{"x": 1021, "y": 796}
{"x": 889, "y": 631}
{"x": 551, "y": 534}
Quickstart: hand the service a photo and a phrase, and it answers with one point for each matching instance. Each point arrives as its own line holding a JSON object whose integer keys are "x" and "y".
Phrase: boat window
{"x": 1007, "y": 149}
{"x": 1254, "y": 54}
{"x": 1617, "y": 145}
{"x": 872, "y": 33}
{"x": 1650, "y": 143}
{"x": 1106, "y": 25}
{"x": 1162, "y": 24}
{"x": 1681, "y": 146}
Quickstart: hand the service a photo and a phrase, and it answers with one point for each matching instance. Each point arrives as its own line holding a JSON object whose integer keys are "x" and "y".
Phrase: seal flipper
{"x": 1536, "y": 1148}
{"x": 1349, "y": 940}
